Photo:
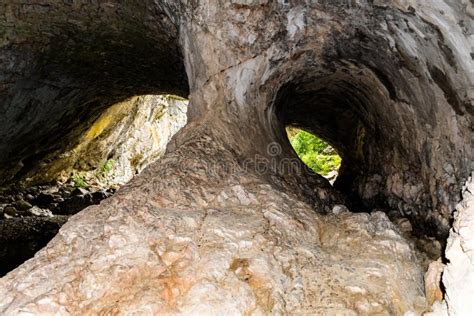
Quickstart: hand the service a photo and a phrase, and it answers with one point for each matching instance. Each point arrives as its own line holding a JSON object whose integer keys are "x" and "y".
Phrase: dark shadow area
{"x": 21, "y": 238}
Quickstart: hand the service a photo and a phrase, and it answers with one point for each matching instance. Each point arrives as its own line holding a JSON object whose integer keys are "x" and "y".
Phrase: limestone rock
{"x": 22, "y": 205}
{"x": 458, "y": 276}
{"x": 271, "y": 255}
{"x": 228, "y": 220}
{"x": 120, "y": 143}
{"x": 433, "y": 289}
{"x": 10, "y": 211}
{"x": 36, "y": 211}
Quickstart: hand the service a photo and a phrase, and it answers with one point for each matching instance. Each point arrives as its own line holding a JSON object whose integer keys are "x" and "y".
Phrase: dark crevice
{"x": 449, "y": 92}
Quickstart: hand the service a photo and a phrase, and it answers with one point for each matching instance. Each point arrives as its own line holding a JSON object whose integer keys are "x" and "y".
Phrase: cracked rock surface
{"x": 458, "y": 274}
{"x": 239, "y": 247}
{"x": 229, "y": 220}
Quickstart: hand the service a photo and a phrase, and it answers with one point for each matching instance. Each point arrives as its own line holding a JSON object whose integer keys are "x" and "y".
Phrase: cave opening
{"x": 387, "y": 84}
{"x": 353, "y": 109}
{"x": 118, "y": 145}
{"x": 348, "y": 109}
{"x": 318, "y": 155}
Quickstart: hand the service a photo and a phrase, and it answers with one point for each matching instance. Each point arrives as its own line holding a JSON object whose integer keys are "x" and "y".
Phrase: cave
{"x": 229, "y": 220}
{"x": 117, "y": 146}
{"x": 357, "y": 111}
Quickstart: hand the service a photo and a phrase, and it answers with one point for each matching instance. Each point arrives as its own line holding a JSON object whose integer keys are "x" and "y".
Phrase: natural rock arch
{"x": 202, "y": 229}
{"x": 65, "y": 62}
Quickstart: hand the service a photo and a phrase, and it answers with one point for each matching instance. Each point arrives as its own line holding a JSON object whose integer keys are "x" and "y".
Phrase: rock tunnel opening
{"x": 117, "y": 146}
{"x": 352, "y": 108}
{"x": 385, "y": 82}
{"x": 348, "y": 108}
{"x": 318, "y": 155}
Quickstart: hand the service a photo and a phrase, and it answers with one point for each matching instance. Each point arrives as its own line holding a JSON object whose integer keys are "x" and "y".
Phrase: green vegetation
{"x": 79, "y": 181}
{"x": 314, "y": 152}
{"x": 105, "y": 169}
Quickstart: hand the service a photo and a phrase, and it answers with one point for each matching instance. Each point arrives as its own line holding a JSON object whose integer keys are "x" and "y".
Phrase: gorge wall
{"x": 126, "y": 138}
{"x": 229, "y": 219}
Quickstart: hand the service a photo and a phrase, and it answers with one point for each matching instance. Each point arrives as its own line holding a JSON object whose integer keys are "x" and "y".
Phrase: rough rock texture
{"x": 388, "y": 83}
{"x": 458, "y": 276}
{"x": 64, "y": 62}
{"x": 125, "y": 139}
{"x": 187, "y": 233}
{"x": 230, "y": 249}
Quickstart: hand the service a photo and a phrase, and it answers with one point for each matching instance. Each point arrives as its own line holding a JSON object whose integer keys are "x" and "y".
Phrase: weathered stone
{"x": 74, "y": 204}
{"x": 36, "y": 211}
{"x": 404, "y": 225}
{"x": 339, "y": 209}
{"x": 458, "y": 276}
{"x": 79, "y": 191}
{"x": 11, "y": 211}
{"x": 44, "y": 200}
{"x": 21, "y": 238}
{"x": 272, "y": 255}
{"x": 228, "y": 220}
{"x": 22, "y": 205}
{"x": 433, "y": 290}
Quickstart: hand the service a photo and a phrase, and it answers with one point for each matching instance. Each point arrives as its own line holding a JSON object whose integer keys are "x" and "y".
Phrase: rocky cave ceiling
{"x": 388, "y": 83}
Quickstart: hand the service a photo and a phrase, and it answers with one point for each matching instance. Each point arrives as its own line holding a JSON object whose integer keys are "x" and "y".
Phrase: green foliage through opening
{"x": 314, "y": 152}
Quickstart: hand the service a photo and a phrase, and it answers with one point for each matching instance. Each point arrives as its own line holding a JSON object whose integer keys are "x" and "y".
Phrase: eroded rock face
{"x": 458, "y": 275}
{"x": 63, "y": 63}
{"x": 226, "y": 212}
{"x": 125, "y": 139}
{"x": 238, "y": 247}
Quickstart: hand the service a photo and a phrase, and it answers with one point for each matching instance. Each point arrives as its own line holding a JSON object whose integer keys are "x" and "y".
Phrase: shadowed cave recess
{"x": 388, "y": 84}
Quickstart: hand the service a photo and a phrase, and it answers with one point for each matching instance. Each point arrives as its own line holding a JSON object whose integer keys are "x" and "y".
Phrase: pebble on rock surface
{"x": 10, "y": 210}
{"x": 36, "y": 211}
{"x": 22, "y": 205}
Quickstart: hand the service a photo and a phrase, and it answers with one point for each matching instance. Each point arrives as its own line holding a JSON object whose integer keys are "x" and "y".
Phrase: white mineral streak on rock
{"x": 296, "y": 21}
{"x": 458, "y": 276}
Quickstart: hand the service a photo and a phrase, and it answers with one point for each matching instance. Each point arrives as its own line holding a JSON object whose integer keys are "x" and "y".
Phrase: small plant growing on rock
{"x": 79, "y": 181}
{"x": 105, "y": 169}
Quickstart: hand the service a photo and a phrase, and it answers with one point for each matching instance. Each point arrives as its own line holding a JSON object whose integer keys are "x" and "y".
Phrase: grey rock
{"x": 11, "y": 211}
{"x": 29, "y": 197}
{"x": 339, "y": 209}
{"x": 79, "y": 191}
{"x": 22, "y": 205}
{"x": 74, "y": 204}
{"x": 44, "y": 200}
{"x": 36, "y": 211}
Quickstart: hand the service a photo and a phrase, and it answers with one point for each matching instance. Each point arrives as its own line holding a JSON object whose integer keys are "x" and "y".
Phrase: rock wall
{"x": 63, "y": 63}
{"x": 458, "y": 275}
{"x": 125, "y": 139}
{"x": 229, "y": 209}
{"x": 239, "y": 246}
